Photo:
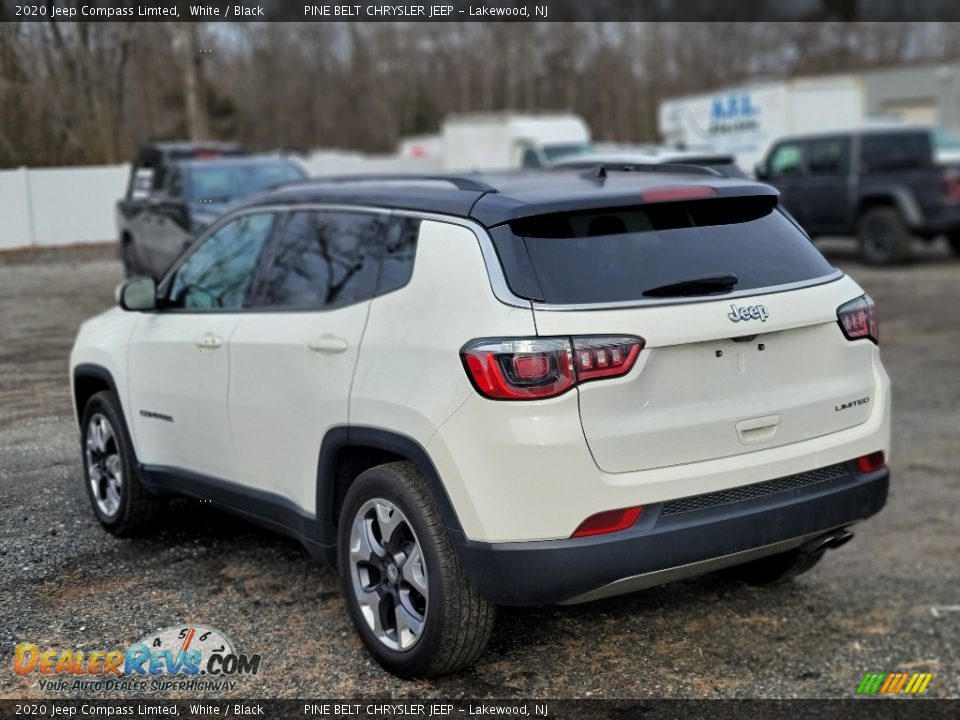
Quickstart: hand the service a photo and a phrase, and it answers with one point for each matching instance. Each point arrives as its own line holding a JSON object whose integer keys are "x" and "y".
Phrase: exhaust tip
{"x": 829, "y": 542}
{"x": 839, "y": 540}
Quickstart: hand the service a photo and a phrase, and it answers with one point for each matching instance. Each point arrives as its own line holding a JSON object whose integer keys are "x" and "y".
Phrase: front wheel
{"x": 128, "y": 257}
{"x": 119, "y": 500}
{"x": 407, "y": 594}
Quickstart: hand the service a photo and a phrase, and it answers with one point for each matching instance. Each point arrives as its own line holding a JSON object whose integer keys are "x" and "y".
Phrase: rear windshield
{"x": 617, "y": 255}
{"x": 220, "y": 183}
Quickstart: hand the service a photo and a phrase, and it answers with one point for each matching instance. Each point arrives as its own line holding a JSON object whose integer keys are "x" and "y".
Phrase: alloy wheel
{"x": 389, "y": 574}
{"x": 104, "y": 469}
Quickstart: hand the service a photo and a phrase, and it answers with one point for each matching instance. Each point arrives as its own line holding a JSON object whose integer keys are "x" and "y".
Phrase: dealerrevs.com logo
{"x": 184, "y": 658}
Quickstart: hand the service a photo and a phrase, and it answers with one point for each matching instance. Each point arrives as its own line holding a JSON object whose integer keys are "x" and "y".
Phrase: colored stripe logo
{"x": 894, "y": 683}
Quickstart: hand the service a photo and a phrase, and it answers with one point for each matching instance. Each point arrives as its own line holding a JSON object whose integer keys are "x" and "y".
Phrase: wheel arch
{"x": 896, "y": 197}
{"x": 88, "y": 380}
{"x": 346, "y": 451}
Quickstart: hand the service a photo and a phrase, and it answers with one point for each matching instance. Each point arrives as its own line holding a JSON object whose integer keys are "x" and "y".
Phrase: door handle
{"x": 327, "y": 344}
{"x": 208, "y": 341}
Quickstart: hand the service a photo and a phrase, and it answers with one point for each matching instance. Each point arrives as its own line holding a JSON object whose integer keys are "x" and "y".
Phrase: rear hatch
{"x": 738, "y": 312}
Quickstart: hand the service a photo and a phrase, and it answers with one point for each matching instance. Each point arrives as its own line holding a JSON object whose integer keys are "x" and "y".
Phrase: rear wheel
{"x": 128, "y": 256}
{"x": 884, "y": 236}
{"x": 119, "y": 500}
{"x": 407, "y": 595}
{"x": 954, "y": 240}
{"x": 776, "y": 569}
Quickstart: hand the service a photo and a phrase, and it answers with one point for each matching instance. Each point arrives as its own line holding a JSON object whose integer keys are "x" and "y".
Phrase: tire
{"x": 776, "y": 569}
{"x": 954, "y": 240}
{"x": 443, "y": 624}
{"x": 110, "y": 470}
{"x": 884, "y": 237}
{"x": 128, "y": 257}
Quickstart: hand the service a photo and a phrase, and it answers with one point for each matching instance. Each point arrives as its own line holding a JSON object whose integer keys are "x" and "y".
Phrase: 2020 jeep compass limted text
{"x": 467, "y": 391}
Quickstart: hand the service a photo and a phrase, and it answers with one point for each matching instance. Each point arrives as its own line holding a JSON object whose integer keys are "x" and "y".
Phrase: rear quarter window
{"x": 616, "y": 255}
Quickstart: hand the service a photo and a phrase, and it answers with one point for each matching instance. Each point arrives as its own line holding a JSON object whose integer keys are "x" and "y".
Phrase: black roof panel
{"x": 494, "y": 199}
{"x": 235, "y": 160}
{"x": 177, "y": 149}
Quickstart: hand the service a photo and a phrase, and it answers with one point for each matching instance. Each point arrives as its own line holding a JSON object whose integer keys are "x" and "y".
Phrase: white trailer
{"x": 744, "y": 121}
{"x": 498, "y": 141}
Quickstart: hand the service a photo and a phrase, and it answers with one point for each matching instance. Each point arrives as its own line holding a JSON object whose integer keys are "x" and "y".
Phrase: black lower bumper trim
{"x": 553, "y": 571}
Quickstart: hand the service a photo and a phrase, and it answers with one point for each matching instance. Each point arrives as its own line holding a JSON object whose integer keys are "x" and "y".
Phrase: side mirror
{"x": 760, "y": 171}
{"x": 138, "y": 294}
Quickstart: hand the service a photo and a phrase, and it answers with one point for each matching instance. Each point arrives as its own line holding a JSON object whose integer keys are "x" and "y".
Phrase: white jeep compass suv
{"x": 470, "y": 391}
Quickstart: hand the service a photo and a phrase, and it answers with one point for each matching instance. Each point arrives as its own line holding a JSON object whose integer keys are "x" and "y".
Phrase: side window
{"x": 218, "y": 274}
{"x": 829, "y": 156}
{"x": 786, "y": 160}
{"x": 326, "y": 259}
{"x": 398, "y": 255}
{"x": 896, "y": 151}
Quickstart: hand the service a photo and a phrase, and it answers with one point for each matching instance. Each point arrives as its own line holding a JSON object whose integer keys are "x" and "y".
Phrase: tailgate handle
{"x": 758, "y": 430}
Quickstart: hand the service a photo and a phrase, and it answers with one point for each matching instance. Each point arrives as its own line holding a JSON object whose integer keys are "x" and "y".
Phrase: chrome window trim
{"x": 495, "y": 274}
{"x": 498, "y": 282}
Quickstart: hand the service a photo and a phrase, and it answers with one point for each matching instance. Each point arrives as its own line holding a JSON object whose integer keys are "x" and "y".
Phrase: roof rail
{"x": 597, "y": 172}
{"x": 460, "y": 182}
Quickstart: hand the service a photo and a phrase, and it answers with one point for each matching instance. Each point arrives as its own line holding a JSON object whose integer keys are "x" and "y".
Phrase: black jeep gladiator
{"x": 178, "y": 189}
{"x": 884, "y": 186}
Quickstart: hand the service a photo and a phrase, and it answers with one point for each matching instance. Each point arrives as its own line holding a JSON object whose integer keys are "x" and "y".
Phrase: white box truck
{"x": 744, "y": 121}
{"x": 499, "y": 141}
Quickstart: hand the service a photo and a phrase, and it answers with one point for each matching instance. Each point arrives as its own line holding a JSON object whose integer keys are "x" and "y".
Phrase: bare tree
{"x": 193, "y": 86}
{"x": 91, "y": 92}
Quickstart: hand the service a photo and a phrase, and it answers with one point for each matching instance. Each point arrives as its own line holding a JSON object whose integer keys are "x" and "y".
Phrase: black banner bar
{"x": 438, "y": 709}
{"x": 478, "y": 10}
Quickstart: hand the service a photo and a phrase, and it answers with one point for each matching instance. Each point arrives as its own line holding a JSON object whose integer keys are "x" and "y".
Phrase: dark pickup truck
{"x": 883, "y": 186}
{"x": 178, "y": 189}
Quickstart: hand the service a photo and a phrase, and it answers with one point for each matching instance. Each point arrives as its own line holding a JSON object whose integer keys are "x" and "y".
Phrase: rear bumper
{"x": 665, "y": 546}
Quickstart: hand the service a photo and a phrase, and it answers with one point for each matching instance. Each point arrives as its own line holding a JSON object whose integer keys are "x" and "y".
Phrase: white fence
{"x": 63, "y": 206}
{"x": 59, "y": 206}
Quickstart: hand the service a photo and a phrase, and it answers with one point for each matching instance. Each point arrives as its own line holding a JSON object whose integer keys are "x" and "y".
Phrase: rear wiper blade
{"x": 703, "y": 285}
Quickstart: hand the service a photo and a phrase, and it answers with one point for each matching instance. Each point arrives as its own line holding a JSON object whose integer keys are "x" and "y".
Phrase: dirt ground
{"x": 870, "y": 606}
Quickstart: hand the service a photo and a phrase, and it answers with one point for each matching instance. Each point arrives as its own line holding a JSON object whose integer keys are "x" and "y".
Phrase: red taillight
{"x": 608, "y": 522}
{"x": 951, "y": 187}
{"x": 858, "y": 319}
{"x": 533, "y": 368}
{"x": 601, "y": 357}
{"x": 683, "y": 192}
{"x": 872, "y": 462}
{"x": 519, "y": 369}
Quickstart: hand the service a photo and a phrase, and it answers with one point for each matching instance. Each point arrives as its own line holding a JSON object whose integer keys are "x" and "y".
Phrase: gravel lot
{"x": 866, "y": 608}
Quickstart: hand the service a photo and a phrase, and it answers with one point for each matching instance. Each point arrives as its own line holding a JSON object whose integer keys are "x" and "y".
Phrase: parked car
{"x": 642, "y": 159}
{"x": 882, "y": 185}
{"x": 471, "y": 391}
{"x": 167, "y": 205}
